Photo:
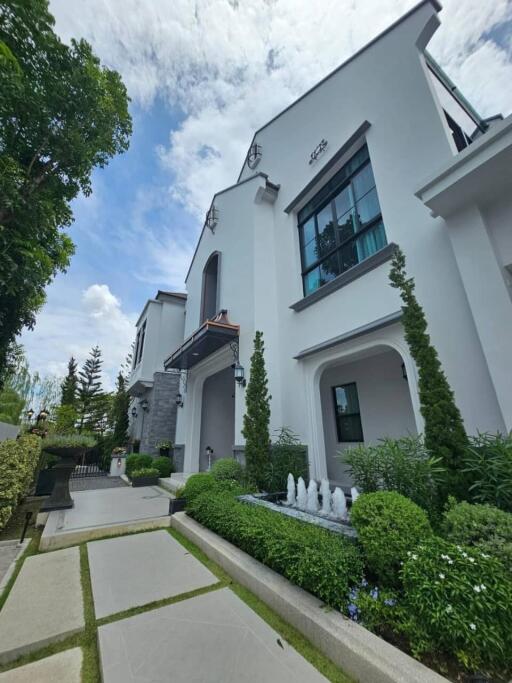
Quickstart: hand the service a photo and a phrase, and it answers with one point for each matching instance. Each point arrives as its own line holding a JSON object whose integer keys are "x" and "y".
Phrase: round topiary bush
{"x": 458, "y": 601}
{"x": 227, "y": 469}
{"x": 164, "y": 466}
{"x": 136, "y": 461}
{"x": 388, "y": 525}
{"x": 483, "y": 526}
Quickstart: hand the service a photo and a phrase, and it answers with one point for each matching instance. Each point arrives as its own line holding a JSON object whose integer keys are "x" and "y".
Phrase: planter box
{"x": 145, "y": 481}
{"x": 45, "y": 482}
{"x": 177, "y": 505}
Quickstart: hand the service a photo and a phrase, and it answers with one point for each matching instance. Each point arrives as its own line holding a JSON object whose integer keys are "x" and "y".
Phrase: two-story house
{"x": 384, "y": 151}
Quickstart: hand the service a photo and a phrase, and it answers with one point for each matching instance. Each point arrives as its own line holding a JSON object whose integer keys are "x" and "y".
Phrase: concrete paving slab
{"x": 45, "y": 604}
{"x": 10, "y": 553}
{"x": 135, "y": 570}
{"x": 106, "y": 512}
{"x": 212, "y": 637}
{"x": 64, "y": 667}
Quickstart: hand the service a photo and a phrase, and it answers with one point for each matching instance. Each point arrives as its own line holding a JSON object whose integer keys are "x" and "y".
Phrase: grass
{"x": 88, "y": 639}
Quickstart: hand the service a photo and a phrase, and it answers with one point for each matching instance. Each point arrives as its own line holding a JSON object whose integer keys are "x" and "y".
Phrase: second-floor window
{"x": 342, "y": 225}
{"x": 139, "y": 345}
{"x": 209, "y": 298}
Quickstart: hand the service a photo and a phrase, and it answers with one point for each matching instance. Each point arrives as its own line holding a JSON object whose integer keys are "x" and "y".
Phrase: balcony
{"x": 210, "y": 337}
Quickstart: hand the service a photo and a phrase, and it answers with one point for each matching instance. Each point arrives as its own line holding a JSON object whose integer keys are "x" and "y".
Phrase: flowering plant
{"x": 458, "y": 601}
{"x": 375, "y": 608}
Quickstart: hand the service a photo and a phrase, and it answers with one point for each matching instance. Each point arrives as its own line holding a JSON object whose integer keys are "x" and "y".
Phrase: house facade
{"x": 384, "y": 151}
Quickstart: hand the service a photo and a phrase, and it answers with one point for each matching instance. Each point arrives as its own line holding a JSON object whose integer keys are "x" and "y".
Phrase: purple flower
{"x": 375, "y": 593}
{"x": 364, "y": 583}
{"x": 390, "y": 602}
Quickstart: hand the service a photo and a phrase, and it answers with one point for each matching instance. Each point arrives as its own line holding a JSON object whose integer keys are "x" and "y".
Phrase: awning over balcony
{"x": 211, "y": 336}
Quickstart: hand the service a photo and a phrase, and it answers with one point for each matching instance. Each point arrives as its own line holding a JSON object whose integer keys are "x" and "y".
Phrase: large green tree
{"x": 61, "y": 115}
{"x": 257, "y": 417}
{"x": 120, "y": 406}
{"x": 69, "y": 386}
{"x": 445, "y": 435}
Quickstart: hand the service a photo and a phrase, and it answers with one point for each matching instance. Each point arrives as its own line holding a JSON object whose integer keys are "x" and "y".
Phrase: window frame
{"x": 330, "y": 200}
{"x": 141, "y": 337}
{"x": 337, "y": 415}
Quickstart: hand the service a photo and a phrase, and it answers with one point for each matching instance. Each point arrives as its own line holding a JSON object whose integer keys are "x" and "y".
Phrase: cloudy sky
{"x": 202, "y": 75}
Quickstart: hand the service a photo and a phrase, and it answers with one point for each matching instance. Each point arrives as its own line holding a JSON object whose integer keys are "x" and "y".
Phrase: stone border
{"x": 357, "y": 651}
{"x": 10, "y": 569}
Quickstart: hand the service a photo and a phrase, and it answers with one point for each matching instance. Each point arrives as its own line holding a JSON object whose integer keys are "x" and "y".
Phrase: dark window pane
{"x": 350, "y": 428}
{"x": 311, "y": 281}
{"x": 330, "y": 268}
{"x": 324, "y": 218}
{"x": 309, "y": 254}
{"x": 347, "y": 400}
{"x": 326, "y": 240}
{"x": 363, "y": 181}
{"x": 348, "y": 256}
{"x": 346, "y": 226}
{"x": 343, "y": 201}
{"x": 368, "y": 207}
{"x": 308, "y": 231}
{"x": 372, "y": 241}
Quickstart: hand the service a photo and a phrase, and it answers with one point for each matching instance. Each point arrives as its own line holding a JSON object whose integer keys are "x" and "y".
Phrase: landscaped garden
{"x": 430, "y": 569}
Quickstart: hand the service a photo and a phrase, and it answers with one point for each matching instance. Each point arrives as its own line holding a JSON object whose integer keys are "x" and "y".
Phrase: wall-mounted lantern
{"x": 212, "y": 218}
{"x": 43, "y": 414}
{"x": 254, "y": 155}
{"x": 179, "y": 400}
{"x": 239, "y": 374}
{"x": 30, "y": 414}
{"x": 144, "y": 404}
{"x": 134, "y": 412}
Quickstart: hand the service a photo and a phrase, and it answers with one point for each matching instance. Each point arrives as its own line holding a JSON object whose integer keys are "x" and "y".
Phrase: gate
{"x": 90, "y": 465}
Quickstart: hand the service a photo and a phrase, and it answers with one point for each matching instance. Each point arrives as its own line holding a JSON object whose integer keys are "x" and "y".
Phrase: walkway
{"x": 154, "y": 611}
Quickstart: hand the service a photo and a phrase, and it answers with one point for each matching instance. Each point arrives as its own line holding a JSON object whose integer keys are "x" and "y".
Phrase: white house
{"x": 384, "y": 151}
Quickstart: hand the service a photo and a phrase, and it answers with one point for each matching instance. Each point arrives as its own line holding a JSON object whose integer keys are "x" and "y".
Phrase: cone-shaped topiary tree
{"x": 69, "y": 385}
{"x": 257, "y": 416}
{"x": 445, "y": 435}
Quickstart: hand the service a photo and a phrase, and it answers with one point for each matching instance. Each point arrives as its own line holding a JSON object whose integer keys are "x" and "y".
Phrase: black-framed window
{"x": 348, "y": 416}
{"x": 142, "y": 339}
{"x": 342, "y": 225}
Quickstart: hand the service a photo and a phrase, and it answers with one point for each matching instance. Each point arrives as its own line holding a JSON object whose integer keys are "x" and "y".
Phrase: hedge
{"x": 325, "y": 564}
{"x": 18, "y": 462}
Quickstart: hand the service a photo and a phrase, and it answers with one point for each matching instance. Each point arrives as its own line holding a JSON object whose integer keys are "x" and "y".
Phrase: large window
{"x": 341, "y": 225}
{"x": 209, "y": 301}
{"x": 348, "y": 417}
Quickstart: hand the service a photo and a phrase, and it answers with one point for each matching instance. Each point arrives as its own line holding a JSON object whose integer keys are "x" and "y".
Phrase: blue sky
{"x": 198, "y": 74}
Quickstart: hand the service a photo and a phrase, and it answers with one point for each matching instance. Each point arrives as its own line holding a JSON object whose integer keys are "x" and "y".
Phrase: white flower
{"x": 464, "y": 554}
{"x": 449, "y": 608}
{"x": 471, "y": 559}
{"x": 472, "y": 627}
{"x": 477, "y": 589}
{"x": 442, "y": 576}
{"x": 414, "y": 556}
{"x": 445, "y": 557}
{"x": 450, "y": 561}
{"x": 459, "y": 548}
{"x": 408, "y": 553}
{"x": 485, "y": 555}
{"x": 483, "y": 586}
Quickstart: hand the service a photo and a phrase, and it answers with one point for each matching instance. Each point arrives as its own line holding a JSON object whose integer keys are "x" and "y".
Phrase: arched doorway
{"x": 217, "y": 417}
{"x": 363, "y": 399}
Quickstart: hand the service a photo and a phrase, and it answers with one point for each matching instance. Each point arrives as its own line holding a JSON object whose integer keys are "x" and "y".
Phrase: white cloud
{"x": 230, "y": 65}
{"x": 71, "y": 323}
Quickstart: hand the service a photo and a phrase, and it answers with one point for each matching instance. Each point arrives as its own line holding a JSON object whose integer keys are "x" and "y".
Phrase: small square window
{"x": 347, "y": 414}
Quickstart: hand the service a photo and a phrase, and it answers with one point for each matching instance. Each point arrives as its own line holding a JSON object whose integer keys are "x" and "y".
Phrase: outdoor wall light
{"x": 239, "y": 374}
{"x": 144, "y": 404}
{"x": 43, "y": 414}
{"x": 179, "y": 400}
{"x": 30, "y": 414}
{"x": 209, "y": 453}
{"x": 134, "y": 411}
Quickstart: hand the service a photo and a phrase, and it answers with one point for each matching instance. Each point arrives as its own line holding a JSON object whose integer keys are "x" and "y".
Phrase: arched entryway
{"x": 364, "y": 398}
{"x": 217, "y": 417}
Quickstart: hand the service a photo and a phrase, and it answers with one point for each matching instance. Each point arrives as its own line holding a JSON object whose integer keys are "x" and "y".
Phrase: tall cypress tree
{"x": 120, "y": 412}
{"x": 257, "y": 417}
{"x": 89, "y": 388}
{"x": 70, "y": 385}
{"x": 445, "y": 435}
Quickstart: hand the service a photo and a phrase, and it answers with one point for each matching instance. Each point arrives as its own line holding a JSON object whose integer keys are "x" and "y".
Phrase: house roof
{"x": 178, "y": 295}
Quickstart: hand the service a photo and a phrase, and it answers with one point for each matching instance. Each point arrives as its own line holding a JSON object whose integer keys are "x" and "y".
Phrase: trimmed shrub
{"x": 403, "y": 465}
{"x": 18, "y": 462}
{"x": 388, "y": 526}
{"x": 458, "y": 601}
{"x": 136, "y": 461}
{"x": 321, "y": 562}
{"x": 145, "y": 472}
{"x": 205, "y": 482}
{"x": 287, "y": 455}
{"x": 227, "y": 469}
{"x": 163, "y": 465}
{"x": 486, "y": 528}
{"x": 488, "y": 464}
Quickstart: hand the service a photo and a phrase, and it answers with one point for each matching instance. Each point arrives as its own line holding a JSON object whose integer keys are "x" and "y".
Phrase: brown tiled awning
{"x": 211, "y": 336}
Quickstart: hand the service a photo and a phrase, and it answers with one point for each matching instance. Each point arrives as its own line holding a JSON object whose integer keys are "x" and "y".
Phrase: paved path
{"x": 94, "y": 483}
{"x": 187, "y": 626}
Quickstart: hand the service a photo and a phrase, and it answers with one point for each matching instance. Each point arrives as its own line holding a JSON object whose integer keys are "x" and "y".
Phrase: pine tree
{"x": 70, "y": 385}
{"x": 89, "y": 389}
{"x": 445, "y": 435}
{"x": 257, "y": 416}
